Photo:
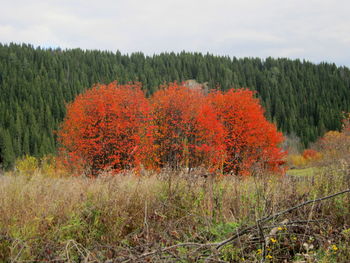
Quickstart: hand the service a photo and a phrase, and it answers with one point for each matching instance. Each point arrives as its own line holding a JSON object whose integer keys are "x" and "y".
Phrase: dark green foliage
{"x": 7, "y": 153}
{"x": 35, "y": 85}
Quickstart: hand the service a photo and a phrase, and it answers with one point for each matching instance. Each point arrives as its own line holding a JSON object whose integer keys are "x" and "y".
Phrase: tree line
{"x": 300, "y": 97}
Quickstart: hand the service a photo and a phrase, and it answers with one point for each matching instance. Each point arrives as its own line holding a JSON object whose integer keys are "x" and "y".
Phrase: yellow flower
{"x": 273, "y": 240}
{"x": 280, "y": 228}
{"x": 269, "y": 256}
{"x": 334, "y": 247}
{"x": 259, "y": 251}
{"x": 294, "y": 238}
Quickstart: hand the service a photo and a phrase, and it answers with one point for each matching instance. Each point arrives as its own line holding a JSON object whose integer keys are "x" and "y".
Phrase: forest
{"x": 303, "y": 99}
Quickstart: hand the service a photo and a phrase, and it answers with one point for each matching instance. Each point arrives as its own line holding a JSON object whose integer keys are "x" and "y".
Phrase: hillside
{"x": 35, "y": 84}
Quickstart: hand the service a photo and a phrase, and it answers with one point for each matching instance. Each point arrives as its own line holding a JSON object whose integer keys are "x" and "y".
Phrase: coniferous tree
{"x": 6, "y": 149}
{"x": 36, "y": 84}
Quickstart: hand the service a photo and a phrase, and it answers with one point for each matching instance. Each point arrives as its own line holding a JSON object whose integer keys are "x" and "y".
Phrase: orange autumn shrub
{"x": 116, "y": 127}
{"x": 104, "y": 126}
{"x": 250, "y": 140}
{"x": 311, "y": 155}
{"x": 186, "y": 130}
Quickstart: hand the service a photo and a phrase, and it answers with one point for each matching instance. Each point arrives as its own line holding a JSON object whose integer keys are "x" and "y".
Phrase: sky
{"x": 318, "y": 31}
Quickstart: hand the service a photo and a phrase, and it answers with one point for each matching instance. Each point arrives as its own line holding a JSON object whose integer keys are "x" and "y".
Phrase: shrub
{"x": 187, "y": 132}
{"x": 27, "y": 165}
{"x": 115, "y": 127}
{"x": 104, "y": 126}
{"x": 251, "y": 141}
{"x": 297, "y": 160}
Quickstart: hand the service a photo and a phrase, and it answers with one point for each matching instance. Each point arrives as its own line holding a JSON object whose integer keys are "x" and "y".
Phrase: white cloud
{"x": 316, "y": 30}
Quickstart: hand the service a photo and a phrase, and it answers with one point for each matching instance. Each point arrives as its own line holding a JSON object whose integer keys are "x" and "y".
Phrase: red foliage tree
{"x": 251, "y": 141}
{"x": 115, "y": 126}
{"x": 187, "y": 132}
{"x": 104, "y": 126}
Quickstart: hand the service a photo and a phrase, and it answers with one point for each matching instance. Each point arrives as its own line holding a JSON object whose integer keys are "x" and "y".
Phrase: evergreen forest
{"x": 301, "y": 98}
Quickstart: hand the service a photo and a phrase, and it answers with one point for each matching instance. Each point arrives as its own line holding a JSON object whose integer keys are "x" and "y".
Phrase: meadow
{"x": 174, "y": 217}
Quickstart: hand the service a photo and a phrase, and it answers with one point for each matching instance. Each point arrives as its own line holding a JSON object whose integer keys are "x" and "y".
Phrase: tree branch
{"x": 274, "y": 216}
{"x": 243, "y": 231}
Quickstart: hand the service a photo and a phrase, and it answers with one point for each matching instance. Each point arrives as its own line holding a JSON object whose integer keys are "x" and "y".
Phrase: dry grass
{"x": 118, "y": 217}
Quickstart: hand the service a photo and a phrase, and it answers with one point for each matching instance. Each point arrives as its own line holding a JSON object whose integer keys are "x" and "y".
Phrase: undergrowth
{"x": 117, "y": 218}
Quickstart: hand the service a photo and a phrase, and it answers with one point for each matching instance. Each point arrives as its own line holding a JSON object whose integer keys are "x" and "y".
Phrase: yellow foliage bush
{"x": 51, "y": 166}
{"x": 27, "y": 165}
{"x": 298, "y": 160}
{"x": 47, "y": 166}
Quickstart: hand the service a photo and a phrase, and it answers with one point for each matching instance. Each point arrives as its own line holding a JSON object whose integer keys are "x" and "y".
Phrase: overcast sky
{"x": 306, "y": 29}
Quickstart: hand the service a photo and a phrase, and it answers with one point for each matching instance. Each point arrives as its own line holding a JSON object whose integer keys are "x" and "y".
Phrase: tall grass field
{"x": 173, "y": 217}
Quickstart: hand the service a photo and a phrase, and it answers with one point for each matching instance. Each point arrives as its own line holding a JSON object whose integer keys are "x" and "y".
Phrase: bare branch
{"x": 258, "y": 226}
{"x": 274, "y": 216}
